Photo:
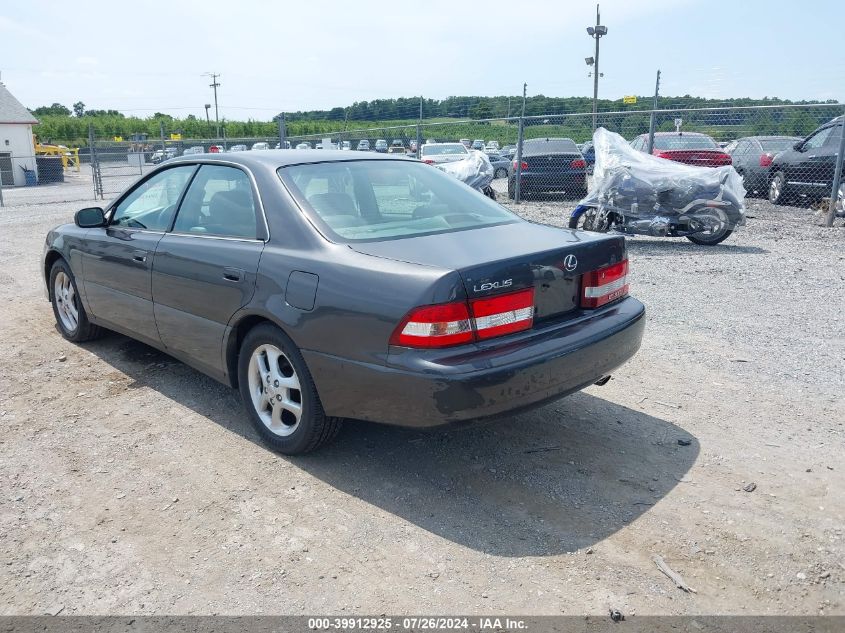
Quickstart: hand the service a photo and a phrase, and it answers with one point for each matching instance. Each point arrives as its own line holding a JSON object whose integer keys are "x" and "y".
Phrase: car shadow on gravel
{"x": 673, "y": 246}
{"x": 554, "y": 480}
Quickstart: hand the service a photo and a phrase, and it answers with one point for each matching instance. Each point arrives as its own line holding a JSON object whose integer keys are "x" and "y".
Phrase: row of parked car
{"x": 786, "y": 169}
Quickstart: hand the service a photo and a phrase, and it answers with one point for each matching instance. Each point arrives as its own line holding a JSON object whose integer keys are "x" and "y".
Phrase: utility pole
{"x": 215, "y": 85}
{"x": 596, "y": 33}
{"x": 652, "y": 122}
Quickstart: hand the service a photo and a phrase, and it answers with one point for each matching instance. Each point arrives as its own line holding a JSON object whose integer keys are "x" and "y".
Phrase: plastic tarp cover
{"x": 475, "y": 170}
{"x": 641, "y": 185}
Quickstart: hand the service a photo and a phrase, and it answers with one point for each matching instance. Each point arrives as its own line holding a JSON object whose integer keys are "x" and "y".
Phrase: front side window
{"x": 151, "y": 204}
{"x": 219, "y": 202}
{"x": 818, "y": 139}
{"x": 375, "y": 200}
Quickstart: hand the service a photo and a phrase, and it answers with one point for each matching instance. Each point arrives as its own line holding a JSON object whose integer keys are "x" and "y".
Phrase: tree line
{"x": 58, "y": 123}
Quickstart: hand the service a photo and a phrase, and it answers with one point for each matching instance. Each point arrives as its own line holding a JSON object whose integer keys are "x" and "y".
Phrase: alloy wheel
{"x": 66, "y": 301}
{"x": 275, "y": 390}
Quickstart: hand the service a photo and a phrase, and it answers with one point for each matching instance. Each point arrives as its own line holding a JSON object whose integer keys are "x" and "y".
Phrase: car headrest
{"x": 234, "y": 208}
{"x": 333, "y": 203}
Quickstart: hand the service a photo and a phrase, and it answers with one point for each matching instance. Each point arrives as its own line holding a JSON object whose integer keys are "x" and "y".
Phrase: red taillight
{"x": 578, "y": 163}
{"x": 660, "y": 154}
{"x": 503, "y": 314}
{"x": 458, "y": 323}
{"x": 766, "y": 160}
{"x": 604, "y": 285}
{"x": 428, "y": 161}
{"x": 435, "y": 326}
{"x": 524, "y": 165}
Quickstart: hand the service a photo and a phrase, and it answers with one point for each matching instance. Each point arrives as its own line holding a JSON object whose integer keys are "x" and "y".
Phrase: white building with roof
{"x": 17, "y": 148}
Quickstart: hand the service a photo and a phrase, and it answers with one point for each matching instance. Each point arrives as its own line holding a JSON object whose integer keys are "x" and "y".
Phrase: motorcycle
{"x": 638, "y": 194}
{"x": 475, "y": 170}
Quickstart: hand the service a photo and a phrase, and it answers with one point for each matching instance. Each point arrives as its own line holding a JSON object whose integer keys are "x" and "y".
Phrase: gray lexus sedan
{"x": 330, "y": 285}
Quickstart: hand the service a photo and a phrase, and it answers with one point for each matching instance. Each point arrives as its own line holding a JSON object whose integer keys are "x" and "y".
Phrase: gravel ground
{"x": 133, "y": 484}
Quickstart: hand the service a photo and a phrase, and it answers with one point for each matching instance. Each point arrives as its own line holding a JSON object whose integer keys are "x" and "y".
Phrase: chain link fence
{"x": 790, "y": 154}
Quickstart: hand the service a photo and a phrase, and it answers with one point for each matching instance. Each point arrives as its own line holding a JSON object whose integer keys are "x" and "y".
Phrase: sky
{"x": 146, "y": 57}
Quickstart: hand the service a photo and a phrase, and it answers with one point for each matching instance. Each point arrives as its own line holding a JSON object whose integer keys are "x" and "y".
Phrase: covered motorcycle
{"x": 475, "y": 170}
{"x": 637, "y": 193}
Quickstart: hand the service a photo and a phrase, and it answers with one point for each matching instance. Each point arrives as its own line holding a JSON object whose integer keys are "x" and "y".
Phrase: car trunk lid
{"x": 700, "y": 157}
{"x": 505, "y": 258}
{"x": 549, "y": 163}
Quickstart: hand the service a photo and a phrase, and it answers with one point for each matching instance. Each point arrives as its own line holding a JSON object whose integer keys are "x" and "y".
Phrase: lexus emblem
{"x": 570, "y": 263}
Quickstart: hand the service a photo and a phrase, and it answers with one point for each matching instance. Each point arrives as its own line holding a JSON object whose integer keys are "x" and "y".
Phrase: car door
{"x": 825, "y": 159}
{"x": 205, "y": 268}
{"x": 807, "y": 169}
{"x": 117, "y": 263}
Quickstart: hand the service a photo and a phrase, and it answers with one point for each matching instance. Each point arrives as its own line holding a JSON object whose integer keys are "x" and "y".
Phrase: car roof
{"x": 282, "y": 157}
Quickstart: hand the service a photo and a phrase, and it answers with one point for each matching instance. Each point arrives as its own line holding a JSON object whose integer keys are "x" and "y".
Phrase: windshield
{"x": 549, "y": 146}
{"x": 375, "y": 200}
{"x": 777, "y": 144}
{"x": 684, "y": 141}
{"x": 444, "y": 148}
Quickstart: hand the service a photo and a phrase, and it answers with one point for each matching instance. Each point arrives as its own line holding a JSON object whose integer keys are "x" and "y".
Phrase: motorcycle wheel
{"x": 710, "y": 239}
{"x": 588, "y": 221}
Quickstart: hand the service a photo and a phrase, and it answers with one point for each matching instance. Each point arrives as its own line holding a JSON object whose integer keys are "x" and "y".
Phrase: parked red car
{"x": 690, "y": 148}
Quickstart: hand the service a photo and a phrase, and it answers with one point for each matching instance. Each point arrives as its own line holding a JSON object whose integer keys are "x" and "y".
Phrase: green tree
{"x": 79, "y": 109}
{"x": 56, "y": 109}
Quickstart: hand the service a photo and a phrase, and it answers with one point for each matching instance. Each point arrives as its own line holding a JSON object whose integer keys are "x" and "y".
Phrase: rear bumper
{"x": 540, "y": 181}
{"x": 423, "y": 388}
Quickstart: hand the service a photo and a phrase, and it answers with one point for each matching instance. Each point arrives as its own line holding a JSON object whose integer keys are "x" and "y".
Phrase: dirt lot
{"x": 133, "y": 484}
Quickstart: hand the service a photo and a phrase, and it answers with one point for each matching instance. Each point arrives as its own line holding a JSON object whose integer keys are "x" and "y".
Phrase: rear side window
{"x": 219, "y": 202}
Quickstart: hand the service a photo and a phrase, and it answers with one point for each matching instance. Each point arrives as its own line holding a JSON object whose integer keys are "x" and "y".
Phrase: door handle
{"x": 139, "y": 256}
{"x": 233, "y": 274}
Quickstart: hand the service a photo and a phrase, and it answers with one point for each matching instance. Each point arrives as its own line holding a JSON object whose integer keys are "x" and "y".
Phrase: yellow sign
{"x": 118, "y": 139}
{"x": 175, "y": 137}
{"x": 631, "y": 99}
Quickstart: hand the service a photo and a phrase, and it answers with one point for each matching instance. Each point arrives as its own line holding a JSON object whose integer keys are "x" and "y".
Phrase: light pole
{"x": 214, "y": 84}
{"x": 596, "y": 32}
{"x": 207, "y": 120}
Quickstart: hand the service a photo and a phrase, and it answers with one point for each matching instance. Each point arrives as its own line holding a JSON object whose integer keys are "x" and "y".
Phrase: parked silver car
{"x": 436, "y": 153}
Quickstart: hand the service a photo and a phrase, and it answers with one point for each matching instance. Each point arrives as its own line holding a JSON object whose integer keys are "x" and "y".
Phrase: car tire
{"x": 500, "y": 173}
{"x": 511, "y": 189}
{"x": 279, "y": 393}
{"x": 777, "y": 188}
{"x": 67, "y": 308}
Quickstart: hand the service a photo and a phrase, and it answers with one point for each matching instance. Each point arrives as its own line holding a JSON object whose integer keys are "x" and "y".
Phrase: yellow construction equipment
{"x": 70, "y": 156}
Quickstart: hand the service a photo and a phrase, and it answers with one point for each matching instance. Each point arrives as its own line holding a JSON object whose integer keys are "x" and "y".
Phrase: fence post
{"x": 837, "y": 178}
{"x": 653, "y": 114}
{"x": 95, "y": 167}
{"x": 282, "y": 131}
{"x": 1, "y": 189}
{"x": 520, "y": 137}
{"x": 419, "y": 131}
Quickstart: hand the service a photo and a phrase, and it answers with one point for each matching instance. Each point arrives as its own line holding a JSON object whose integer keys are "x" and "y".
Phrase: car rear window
{"x": 549, "y": 146}
{"x": 777, "y": 144}
{"x": 684, "y": 141}
{"x": 439, "y": 150}
{"x": 353, "y": 201}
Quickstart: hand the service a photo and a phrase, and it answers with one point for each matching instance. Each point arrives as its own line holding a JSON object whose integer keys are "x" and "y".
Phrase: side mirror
{"x": 798, "y": 146}
{"x": 90, "y": 218}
